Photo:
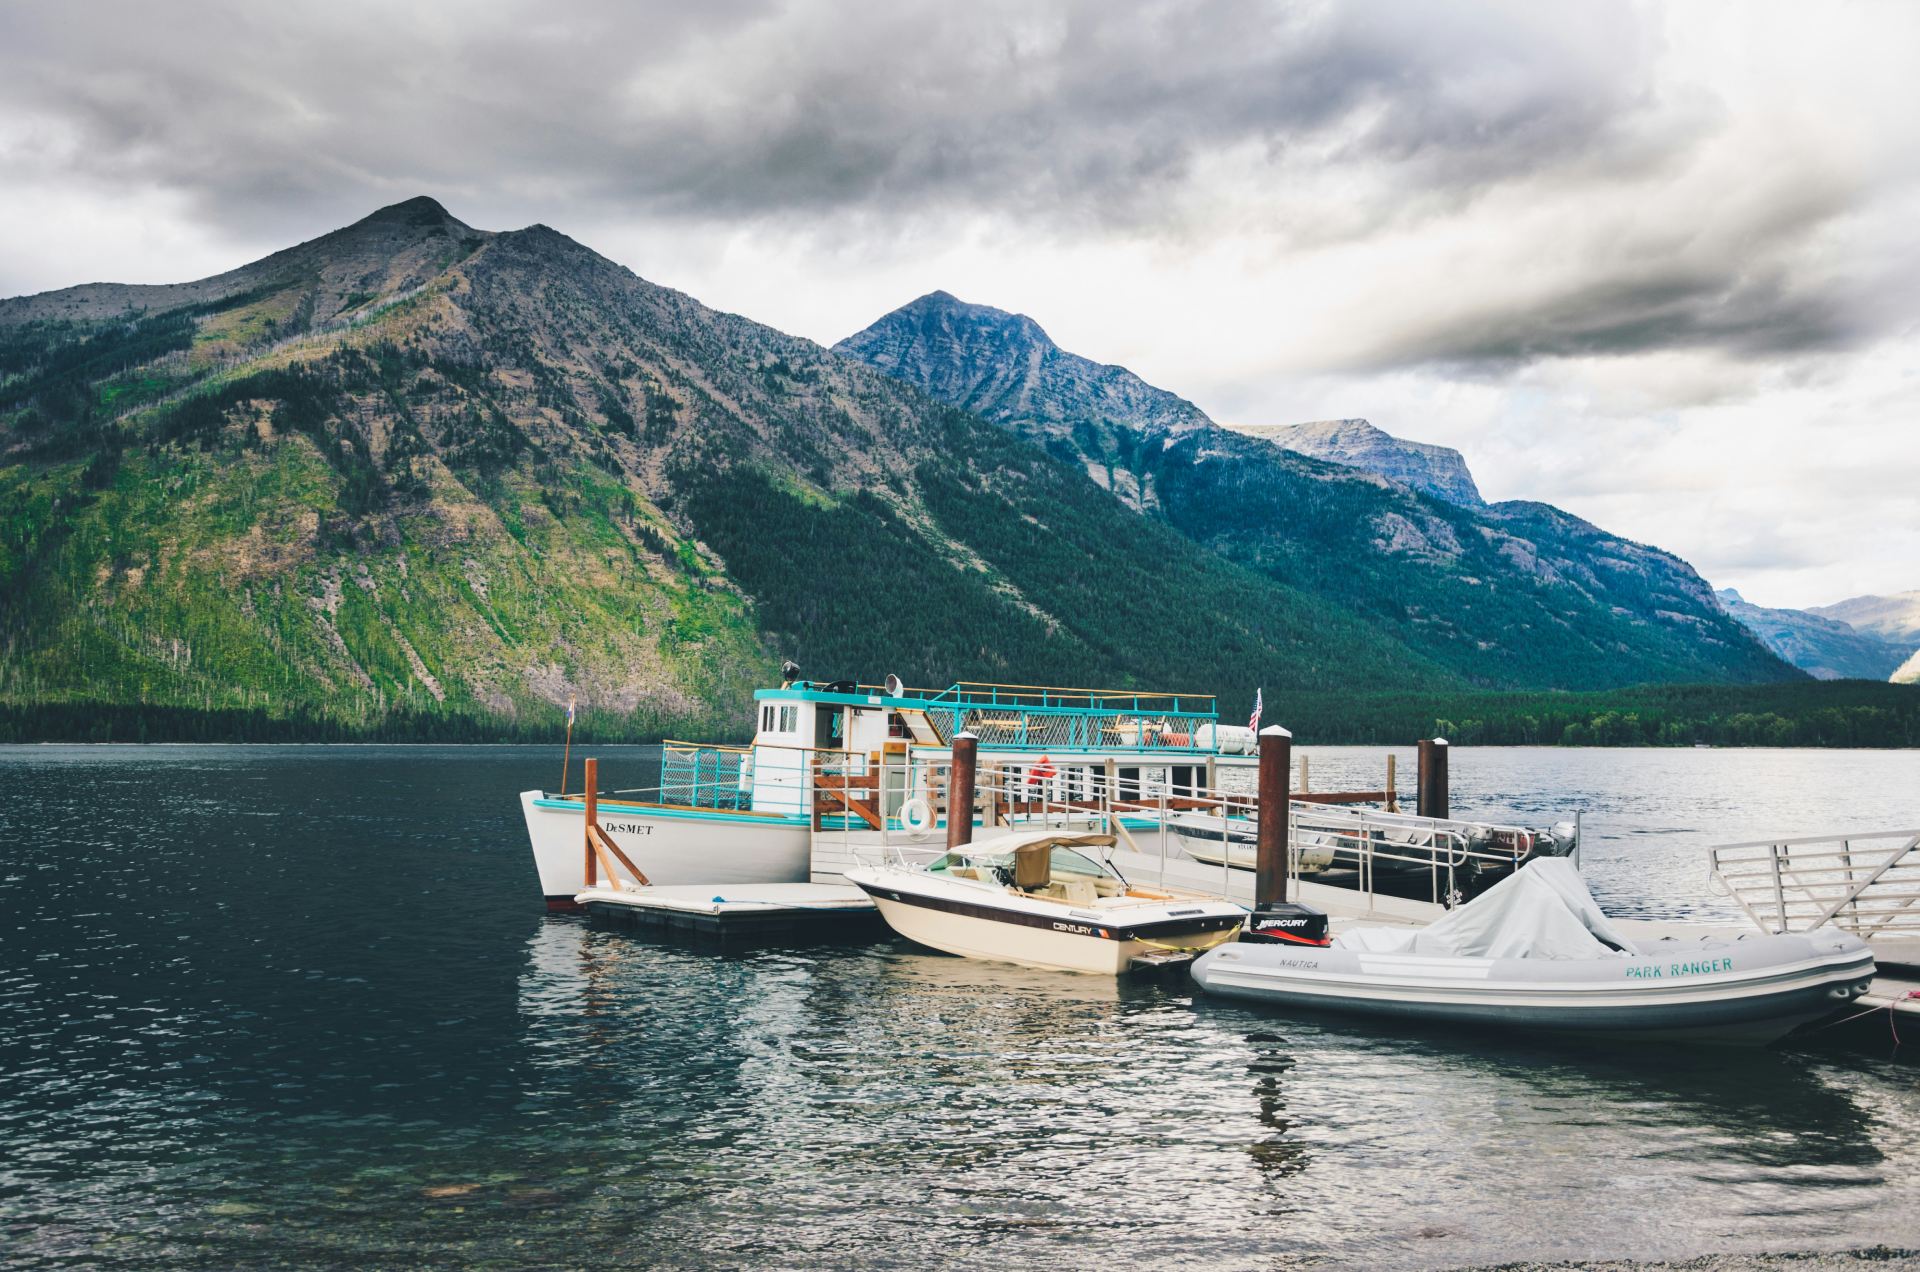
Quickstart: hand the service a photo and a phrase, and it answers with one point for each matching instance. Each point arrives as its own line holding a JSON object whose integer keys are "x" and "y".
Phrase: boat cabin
{"x": 1059, "y": 742}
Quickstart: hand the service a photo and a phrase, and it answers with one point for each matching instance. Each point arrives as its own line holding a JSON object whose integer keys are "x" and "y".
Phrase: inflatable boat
{"x": 1536, "y": 953}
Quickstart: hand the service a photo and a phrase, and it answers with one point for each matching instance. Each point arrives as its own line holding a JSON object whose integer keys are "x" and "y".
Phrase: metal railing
{"x": 1185, "y": 823}
{"x": 1042, "y": 718}
{"x": 699, "y": 776}
{"x": 1866, "y": 882}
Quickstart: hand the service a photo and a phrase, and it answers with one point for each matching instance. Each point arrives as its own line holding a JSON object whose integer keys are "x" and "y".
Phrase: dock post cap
{"x": 968, "y": 734}
{"x": 1440, "y": 742}
{"x": 1275, "y": 731}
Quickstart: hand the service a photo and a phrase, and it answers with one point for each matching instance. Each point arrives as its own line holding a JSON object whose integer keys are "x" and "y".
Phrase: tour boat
{"x": 1031, "y": 898}
{"x": 1535, "y": 953}
{"x": 837, "y": 770}
{"x": 854, "y": 760}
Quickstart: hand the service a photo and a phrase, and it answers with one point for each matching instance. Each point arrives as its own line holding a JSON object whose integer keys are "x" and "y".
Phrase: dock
{"x": 815, "y": 911}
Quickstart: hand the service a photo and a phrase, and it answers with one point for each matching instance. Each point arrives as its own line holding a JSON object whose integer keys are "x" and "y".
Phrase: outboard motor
{"x": 1286, "y": 923}
{"x": 1559, "y": 840}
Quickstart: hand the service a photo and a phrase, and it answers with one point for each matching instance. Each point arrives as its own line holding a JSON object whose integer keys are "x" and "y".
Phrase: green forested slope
{"x": 414, "y": 477}
{"x": 1519, "y": 595}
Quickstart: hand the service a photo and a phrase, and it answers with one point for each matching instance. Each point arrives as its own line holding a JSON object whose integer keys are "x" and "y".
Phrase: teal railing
{"x": 706, "y": 777}
{"x": 1032, "y": 718}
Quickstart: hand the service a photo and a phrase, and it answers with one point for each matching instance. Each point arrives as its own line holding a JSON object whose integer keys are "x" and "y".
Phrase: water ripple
{"x": 298, "y": 1006}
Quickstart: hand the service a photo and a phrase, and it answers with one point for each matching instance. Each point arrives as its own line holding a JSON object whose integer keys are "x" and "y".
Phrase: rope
{"x": 1892, "y": 1016}
{"x": 1835, "y": 1024}
{"x": 788, "y": 905}
{"x": 1222, "y": 939}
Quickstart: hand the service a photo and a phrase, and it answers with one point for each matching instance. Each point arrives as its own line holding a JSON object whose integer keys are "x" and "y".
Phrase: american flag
{"x": 570, "y": 713}
{"x": 1253, "y": 722}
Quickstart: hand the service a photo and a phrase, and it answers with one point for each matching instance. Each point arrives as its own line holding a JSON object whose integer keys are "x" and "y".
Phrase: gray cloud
{"x": 1316, "y": 124}
{"x": 1082, "y": 112}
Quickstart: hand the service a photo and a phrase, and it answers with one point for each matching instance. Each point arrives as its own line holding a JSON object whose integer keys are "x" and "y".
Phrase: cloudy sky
{"x": 1655, "y": 264}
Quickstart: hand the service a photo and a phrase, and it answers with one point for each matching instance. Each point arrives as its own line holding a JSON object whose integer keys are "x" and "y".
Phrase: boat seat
{"x": 1073, "y": 889}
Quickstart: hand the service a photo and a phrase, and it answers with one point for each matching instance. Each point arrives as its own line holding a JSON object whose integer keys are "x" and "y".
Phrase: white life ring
{"x": 917, "y": 816}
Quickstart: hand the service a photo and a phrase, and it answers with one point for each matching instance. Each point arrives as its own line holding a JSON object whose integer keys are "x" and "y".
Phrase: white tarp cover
{"x": 1542, "y": 910}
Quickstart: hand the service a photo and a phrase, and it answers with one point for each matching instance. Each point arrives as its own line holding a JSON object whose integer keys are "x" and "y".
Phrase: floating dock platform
{"x": 746, "y": 910}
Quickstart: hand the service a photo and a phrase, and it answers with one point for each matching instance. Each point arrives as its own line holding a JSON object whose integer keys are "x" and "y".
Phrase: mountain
{"x": 415, "y": 470}
{"x": 1908, "y": 672}
{"x": 389, "y": 253}
{"x": 1517, "y": 595}
{"x": 1439, "y": 471}
{"x": 1895, "y": 618}
{"x": 1003, "y": 367}
{"x": 1823, "y": 647}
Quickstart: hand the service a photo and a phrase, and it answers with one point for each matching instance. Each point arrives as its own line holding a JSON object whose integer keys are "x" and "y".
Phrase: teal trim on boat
{"x": 691, "y": 814}
{"x": 775, "y": 819}
{"x": 1016, "y": 718}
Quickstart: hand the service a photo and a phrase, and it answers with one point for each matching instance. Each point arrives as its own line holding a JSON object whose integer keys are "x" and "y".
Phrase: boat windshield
{"x": 1061, "y": 860}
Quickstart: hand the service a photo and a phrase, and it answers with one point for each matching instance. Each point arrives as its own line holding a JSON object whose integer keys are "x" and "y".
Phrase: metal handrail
{"x": 1866, "y": 882}
{"x": 1086, "y": 796}
{"x": 1815, "y": 839}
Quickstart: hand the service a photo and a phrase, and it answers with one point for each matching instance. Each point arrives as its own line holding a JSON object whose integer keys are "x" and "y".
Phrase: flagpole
{"x": 566, "y": 755}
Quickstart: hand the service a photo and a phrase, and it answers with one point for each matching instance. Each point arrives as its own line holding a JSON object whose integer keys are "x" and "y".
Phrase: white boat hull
{"x": 671, "y": 846}
{"x": 1202, "y": 839}
{"x": 1751, "y": 990}
{"x": 1071, "y": 941}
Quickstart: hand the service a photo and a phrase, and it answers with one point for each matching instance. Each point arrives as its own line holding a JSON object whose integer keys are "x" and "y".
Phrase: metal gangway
{"x": 1863, "y": 882}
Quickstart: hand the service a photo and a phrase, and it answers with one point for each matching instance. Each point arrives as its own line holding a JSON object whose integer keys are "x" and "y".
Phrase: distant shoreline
{"x": 1807, "y": 713}
{"x": 1839, "y": 714}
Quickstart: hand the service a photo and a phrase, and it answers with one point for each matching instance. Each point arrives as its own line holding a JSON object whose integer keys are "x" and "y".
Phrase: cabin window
{"x": 789, "y": 719}
{"x": 766, "y": 719}
{"x": 896, "y": 727}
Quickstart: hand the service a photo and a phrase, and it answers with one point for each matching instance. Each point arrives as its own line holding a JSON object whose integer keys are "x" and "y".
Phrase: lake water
{"x": 300, "y": 1006}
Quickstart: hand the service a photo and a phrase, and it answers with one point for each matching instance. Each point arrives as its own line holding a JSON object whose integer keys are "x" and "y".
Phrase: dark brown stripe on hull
{"x": 1073, "y": 924}
{"x": 563, "y": 905}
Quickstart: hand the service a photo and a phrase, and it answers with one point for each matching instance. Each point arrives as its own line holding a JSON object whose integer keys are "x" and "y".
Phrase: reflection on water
{"x": 300, "y": 1006}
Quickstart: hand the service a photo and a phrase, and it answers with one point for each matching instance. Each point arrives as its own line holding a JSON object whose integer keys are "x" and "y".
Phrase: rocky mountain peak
{"x": 1825, "y": 647}
{"x": 421, "y": 209}
{"x": 1005, "y": 367}
{"x": 1895, "y": 618}
{"x": 1440, "y": 471}
{"x": 395, "y": 249}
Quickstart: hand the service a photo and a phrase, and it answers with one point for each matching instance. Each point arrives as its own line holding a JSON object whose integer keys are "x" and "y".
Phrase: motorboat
{"x": 1036, "y": 899}
{"x": 1366, "y": 848}
{"x": 1234, "y": 839}
{"x": 1536, "y": 953}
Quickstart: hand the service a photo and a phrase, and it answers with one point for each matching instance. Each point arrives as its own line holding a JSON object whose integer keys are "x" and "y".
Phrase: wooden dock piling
{"x": 600, "y": 848}
{"x": 960, "y": 790}
{"x": 1270, "y": 857}
{"x": 592, "y": 820}
{"x": 1430, "y": 798}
